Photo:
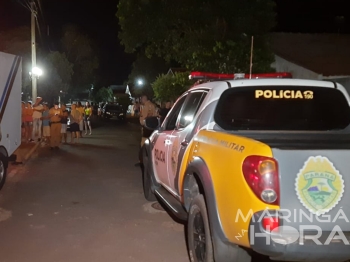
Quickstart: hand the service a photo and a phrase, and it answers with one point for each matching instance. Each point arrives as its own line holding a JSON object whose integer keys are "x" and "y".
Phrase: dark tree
{"x": 81, "y": 52}
{"x": 213, "y": 35}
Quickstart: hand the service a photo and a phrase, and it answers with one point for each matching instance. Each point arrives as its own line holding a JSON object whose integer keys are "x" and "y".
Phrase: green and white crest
{"x": 319, "y": 186}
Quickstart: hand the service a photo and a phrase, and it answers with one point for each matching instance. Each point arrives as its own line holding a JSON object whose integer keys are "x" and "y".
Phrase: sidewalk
{"x": 25, "y": 150}
{"x": 23, "y": 154}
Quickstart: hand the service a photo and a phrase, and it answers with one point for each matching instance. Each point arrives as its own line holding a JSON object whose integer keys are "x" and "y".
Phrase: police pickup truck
{"x": 256, "y": 165}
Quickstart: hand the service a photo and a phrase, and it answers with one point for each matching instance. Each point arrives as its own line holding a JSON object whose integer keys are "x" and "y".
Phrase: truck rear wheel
{"x": 146, "y": 179}
{"x": 198, "y": 232}
{"x": 2, "y": 171}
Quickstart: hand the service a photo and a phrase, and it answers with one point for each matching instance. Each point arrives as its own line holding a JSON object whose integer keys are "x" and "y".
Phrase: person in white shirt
{"x": 37, "y": 122}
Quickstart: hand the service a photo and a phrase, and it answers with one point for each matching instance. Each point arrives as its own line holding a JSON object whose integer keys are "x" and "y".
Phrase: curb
{"x": 28, "y": 155}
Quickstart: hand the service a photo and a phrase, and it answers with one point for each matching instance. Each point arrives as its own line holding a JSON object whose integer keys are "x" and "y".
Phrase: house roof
{"x": 326, "y": 54}
{"x": 118, "y": 88}
{"x": 174, "y": 70}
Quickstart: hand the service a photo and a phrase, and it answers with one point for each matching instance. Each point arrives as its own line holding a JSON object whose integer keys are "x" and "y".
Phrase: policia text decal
{"x": 284, "y": 94}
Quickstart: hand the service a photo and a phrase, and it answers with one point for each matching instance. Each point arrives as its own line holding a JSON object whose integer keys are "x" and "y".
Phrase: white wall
{"x": 283, "y": 65}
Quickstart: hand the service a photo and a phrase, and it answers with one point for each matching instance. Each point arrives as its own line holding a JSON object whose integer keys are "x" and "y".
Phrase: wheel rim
{"x": 199, "y": 237}
{"x": 2, "y": 170}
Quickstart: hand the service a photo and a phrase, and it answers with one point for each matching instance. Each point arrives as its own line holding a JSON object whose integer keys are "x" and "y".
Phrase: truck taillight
{"x": 270, "y": 223}
{"x": 261, "y": 174}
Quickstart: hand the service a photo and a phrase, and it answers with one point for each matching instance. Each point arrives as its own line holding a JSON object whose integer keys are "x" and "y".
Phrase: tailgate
{"x": 314, "y": 188}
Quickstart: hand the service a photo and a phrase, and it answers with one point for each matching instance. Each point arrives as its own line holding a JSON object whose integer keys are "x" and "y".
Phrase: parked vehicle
{"x": 255, "y": 164}
{"x": 112, "y": 111}
{"x": 10, "y": 110}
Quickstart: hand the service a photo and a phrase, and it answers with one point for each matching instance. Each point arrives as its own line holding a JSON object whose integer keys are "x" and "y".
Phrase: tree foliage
{"x": 213, "y": 35}
{"x": 147, "y": 70}
{"x": 170, "y": 87}
{"x": 80, "y": 51}
{"x": 17, "y": 41}
{"x": 63, "y": 68}
{"x": 104, "y": 94}
{"x": 77, "y": 54}
{"x": 57, "y": 77}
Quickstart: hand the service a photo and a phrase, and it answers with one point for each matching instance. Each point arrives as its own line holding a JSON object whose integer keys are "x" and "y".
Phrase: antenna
{"x": 251, "y": 58}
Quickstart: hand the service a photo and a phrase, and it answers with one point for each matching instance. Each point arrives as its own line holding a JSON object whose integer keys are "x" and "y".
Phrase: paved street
{"x": 84, "y": 203}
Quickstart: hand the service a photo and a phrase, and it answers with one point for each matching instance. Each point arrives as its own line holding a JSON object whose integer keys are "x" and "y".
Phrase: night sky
{"x": 97, "y": 18}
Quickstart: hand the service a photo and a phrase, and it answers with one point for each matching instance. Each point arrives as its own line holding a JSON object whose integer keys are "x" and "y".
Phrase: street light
{"x": 140, "y": 82}
{"x": 35, "y": 74}
{"x": 36, "y": 71}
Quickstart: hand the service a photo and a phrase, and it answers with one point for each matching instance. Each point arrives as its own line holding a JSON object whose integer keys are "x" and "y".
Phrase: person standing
{"x": 136, "y": 108}
{"x": 37, "y": 122}
{"x": 148, "y": 109}
{"x": 55, "y": 130}
{"x": 74, "y": 117}
{"x": 46, "y": 124}
{"x": 24, "y": 134}
{"x": 87, "y": 118}
{"x": 81, "y": 110}
{"x": 28, "y": 120}
{"x": 64, "y": 122}
{"x": 99, "y": 109}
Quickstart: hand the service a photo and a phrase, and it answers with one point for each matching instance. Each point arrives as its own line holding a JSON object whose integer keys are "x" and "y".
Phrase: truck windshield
{"x": 301, "y": 108}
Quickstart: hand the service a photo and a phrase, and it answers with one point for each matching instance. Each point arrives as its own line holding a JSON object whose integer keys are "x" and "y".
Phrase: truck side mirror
{"x": 152, "y": 123}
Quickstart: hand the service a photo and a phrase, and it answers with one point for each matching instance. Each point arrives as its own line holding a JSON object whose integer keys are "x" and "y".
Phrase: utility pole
{"x": 34, "y": 77}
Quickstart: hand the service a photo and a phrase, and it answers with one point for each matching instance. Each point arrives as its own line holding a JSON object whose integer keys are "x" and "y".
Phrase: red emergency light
{"x": 205, "y": 75}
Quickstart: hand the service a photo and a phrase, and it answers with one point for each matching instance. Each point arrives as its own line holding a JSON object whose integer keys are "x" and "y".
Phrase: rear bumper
{"x": 293, "y": 245}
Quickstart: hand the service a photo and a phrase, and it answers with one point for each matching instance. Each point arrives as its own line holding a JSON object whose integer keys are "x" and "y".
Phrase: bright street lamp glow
{"x": 140, "y": 82}
{"x": 36, "y": 71}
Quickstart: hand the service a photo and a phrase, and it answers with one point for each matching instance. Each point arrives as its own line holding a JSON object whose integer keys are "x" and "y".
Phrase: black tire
{"x": 3, "y": 171}
{"x": 146, "y": 179}
{"x": 200, "y": 245}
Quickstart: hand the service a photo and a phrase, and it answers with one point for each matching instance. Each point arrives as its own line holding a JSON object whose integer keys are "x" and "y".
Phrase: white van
{"x": 10, "y": 109}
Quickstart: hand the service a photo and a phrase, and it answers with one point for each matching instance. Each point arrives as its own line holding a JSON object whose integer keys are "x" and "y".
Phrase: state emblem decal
{"x": 319, "y": 186}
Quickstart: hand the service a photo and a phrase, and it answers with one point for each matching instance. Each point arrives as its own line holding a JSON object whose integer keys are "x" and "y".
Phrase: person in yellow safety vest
{"x": 87, "y": 118}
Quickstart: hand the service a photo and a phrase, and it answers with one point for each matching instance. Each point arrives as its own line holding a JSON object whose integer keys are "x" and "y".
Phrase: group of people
{"x": 50, "y": 125}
